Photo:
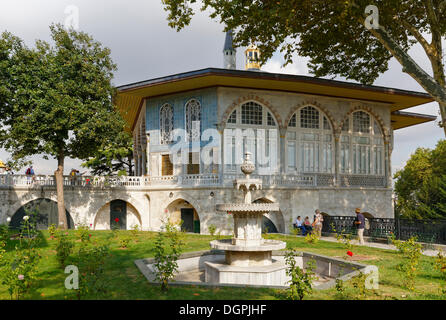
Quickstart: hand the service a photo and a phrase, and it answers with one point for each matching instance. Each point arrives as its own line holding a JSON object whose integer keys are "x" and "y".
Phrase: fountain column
{"x": 248, "y": 257}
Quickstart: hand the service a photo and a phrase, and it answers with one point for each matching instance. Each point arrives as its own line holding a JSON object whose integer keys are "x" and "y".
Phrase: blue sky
{"x": 144, "y": 46}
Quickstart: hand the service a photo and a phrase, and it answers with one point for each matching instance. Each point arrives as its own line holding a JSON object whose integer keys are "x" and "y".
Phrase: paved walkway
{"x": 427, "y": 252}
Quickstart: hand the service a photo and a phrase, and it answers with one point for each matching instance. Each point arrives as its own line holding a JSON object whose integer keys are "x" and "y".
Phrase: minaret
{"x": 229, "y": 53}
{"x": 252, "y": 55}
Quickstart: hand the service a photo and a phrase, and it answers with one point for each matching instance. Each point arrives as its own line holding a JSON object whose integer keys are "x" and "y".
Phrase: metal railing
{"x": 429, "y": 231}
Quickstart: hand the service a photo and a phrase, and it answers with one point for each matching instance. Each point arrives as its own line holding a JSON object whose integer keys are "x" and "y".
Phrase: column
{"x": 337, "y": 164}
{"x": 148, "y": 154}
{"x": 282, "y": 146}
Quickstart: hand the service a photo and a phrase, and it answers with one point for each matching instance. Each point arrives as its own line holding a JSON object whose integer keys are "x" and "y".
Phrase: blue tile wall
{"x": 208, "y": 100}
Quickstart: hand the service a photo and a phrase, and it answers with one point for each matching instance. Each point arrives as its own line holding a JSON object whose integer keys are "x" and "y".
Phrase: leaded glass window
{"x": 292, "y": 122}
{"x": 309, "y": 118}
{"x": 309, "y": 145}
{"x": 193, "y": 120}
{"x": 270, "y": 120}
{"x": 256, "y": 126}
{"x": 361, "y": 122}
{"x": 252, "y": 114}
{"x": 233, "y": 117}
{"x": 362, "y": 145}
{"x": 166, "y": 123}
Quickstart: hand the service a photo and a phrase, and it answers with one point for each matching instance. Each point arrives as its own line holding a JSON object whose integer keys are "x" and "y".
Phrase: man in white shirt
{"x": 298, "y": 224}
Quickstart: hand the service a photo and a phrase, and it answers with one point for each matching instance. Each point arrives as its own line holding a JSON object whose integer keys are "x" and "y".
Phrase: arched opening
{"x": 251, "y": 127}
{"x": 362, "y": 149}
{"x": 47, "y": 214}
{"x": 182, "y": 212}
{"x": 268, "y": 226}
{"x": 368, "y": 215}
{"x": 310, "y": 142}
{"x": 117, "y": 213}
{"x": 273, "y": 222}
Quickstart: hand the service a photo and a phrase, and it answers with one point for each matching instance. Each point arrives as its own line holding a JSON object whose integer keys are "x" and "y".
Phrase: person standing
{"x": 360, "y": 225}
{"x": 318, "y": 223}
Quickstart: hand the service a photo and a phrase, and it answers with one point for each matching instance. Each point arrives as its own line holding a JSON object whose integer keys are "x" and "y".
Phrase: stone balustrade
{"x": 194, "y": 180}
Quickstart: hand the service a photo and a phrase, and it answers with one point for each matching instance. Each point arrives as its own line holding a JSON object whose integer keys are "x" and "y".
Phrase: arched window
{"x": 258, "y": 135}
{"x": 362, "y": 145}
{"x": 166, "y": 124}
{"x": 193, "y": 120}
{"x": 309, "y": 142}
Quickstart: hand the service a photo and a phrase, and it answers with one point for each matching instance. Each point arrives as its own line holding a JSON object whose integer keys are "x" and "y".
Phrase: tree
{"x": 420, "y": 186}
{"x": 56, "y": 100}
{"x": 114, "y": 157}
{"x": 347, "y": 38}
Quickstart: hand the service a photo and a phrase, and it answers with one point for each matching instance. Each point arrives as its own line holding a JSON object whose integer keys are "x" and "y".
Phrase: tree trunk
{"x": 58, "y": 174}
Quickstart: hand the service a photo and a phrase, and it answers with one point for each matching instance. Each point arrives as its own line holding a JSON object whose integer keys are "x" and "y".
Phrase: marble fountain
{"x": 247, "y": 259}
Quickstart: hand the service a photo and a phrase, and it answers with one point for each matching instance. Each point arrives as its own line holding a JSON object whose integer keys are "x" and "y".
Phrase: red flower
{"x": 89, "y": 235}
{"x": 350, "y": 253}
{"x": 117, "y": 220}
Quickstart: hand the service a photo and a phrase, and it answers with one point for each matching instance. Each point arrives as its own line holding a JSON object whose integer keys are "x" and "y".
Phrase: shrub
{"x": 124, "y": 241}
{"x": 168, "y": 248}
{"x": 411, "y": 252}
{"x": 18, "y": 271}
{"x": 212, "y": 228}
{"x": 4, "y": 233}
{"x": 312, "y": 238}
{"x": 91, "y": 260}
{"x": 64, "y": 247}
{"x": 83, "y": 232}
{"x": 440, "y": 265}
{"x": 135, "y": 230}
{"x": 301, "y": 281}
{"x": 343, "y": 237}
{"x": 52, "y": 230}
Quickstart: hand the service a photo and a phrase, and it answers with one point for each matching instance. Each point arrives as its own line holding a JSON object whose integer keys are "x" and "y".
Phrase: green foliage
{"x": 18, "y": 272}
{"x": 56, "y": 99}
{"x": 440, "y": 265}
{"x": 135, "y": 230}
{"x": 52, "y": 230}
{"x": 340, "y": 286}
{"x": 312, "y": 238}
{"x": 411, "y": 252}
{"x": 115, "y": 157}
{"x": 83, "y": 232}
{"x": 343, "y": 237}
{"x": 91, "y": 260}
{"x": 124, "y": 241}
{"x": 421, "y": 185}
{"x": 4, "y": 233}
{"x": 212, "y": 228}
{"x": 64, "y": 247}
{"x": 167, "y": 250}
{"x": 358, "y": 283}
{"x": 301, "y": 281}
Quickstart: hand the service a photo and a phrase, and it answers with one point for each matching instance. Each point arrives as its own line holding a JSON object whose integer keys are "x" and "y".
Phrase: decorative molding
{"x": 315, "y": 104}
{"x": 369, "y": 110}
{"x": 250, "y": 97}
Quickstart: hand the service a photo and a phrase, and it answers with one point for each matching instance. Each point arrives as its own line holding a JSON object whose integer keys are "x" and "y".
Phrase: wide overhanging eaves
{"x": 130, "y": 97}
{"x": 402, "y": 119}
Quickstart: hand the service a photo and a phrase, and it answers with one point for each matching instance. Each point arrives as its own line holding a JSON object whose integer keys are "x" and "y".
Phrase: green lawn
{"x": 126, "y": 282}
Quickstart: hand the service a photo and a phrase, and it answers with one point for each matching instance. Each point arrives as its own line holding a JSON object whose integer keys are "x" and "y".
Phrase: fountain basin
{"x": 266, "y": 245}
